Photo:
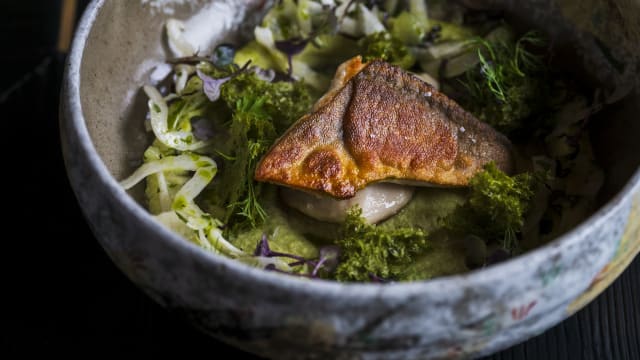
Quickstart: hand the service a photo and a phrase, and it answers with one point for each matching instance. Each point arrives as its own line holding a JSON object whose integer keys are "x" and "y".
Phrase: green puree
{"x": 288, "y": 231}
{"x": 446, "y": 253}
{"x": 292, "y": 232}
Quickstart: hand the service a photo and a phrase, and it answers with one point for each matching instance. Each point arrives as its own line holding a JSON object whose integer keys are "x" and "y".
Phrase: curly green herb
{"x": 382, "y": 45}
{"x": 496, "y": 206}
{"x": 369, "y": 251}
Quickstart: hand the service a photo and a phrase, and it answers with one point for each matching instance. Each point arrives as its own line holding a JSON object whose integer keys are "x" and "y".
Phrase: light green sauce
{"x": 446, "y": 255}
{"x": 292, "y": 232}
{"x": 288, "y": 231}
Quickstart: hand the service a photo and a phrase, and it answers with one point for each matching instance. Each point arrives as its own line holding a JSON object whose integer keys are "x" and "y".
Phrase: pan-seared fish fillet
{"x": 381, "y": 123}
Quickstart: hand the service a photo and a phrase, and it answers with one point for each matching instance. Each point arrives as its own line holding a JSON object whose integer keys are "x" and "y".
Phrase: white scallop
{"x": 377, "y": 201}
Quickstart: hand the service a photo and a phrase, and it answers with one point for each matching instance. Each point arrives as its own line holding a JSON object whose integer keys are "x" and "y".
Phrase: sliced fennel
{"x": 187, "y": 218}
{"x": 183, "y": 72}
{"x": 183, "y": 204}
{"x": 178, "y": 139}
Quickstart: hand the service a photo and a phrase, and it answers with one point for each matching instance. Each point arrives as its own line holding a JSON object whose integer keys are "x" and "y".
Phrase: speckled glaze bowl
{"x": 117, "y": 44}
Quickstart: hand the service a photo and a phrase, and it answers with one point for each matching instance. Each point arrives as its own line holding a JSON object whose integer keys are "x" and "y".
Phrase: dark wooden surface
{"x": 62, "y": 294}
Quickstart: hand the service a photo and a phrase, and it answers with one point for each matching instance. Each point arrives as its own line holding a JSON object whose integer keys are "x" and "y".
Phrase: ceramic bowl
{"x": 117, "y": 45}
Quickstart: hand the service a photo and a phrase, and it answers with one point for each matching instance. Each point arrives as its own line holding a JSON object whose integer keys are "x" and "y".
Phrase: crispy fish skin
{"x": 380, "y": 123}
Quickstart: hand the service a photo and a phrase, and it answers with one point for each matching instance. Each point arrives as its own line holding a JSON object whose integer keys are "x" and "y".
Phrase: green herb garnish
{"x": 496, "y": 207}
{"x": 382, "y": 45}
{"x": 368, "y": 251}
{"x": 260, "y": 111}
{"x": 509, "y": 84}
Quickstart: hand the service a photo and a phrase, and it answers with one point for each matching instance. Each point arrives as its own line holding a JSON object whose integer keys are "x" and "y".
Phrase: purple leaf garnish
{"x": 211, "y": 86}
{"x": 295, "y": 45}
{"x": 202, "y": 128}
{"x": 328, "y": 259}
{"x": 329, "y": 256}
{"x": 263, "y": 247}
{"x": 290, "y": 48}
{"x": 267, "y": 75}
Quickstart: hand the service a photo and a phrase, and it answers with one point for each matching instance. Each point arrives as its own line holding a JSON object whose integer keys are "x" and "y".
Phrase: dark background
{"x": 61, "y": 293}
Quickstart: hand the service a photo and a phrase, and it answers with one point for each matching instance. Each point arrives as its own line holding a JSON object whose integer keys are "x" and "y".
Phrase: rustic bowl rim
{"x": 73, "y": 114}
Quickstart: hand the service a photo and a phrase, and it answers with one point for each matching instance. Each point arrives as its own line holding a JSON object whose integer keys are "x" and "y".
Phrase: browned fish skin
{"x": 383, "y": 124}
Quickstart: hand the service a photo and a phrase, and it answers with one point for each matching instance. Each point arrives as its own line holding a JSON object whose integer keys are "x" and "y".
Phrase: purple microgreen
{"x": 202, "y": 128}
{"x": 262, "y": 249}
{"x": 211, "y": 86}
{"x": 267, "y": 75}
{"x": 295, "y": 45}
{"x": 318, "y": 266}
{"x": 290, "y": 48}
{"x": 329, "y": 256}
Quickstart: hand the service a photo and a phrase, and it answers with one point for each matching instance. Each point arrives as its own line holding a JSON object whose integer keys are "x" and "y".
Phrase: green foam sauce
{"x": 292, "y": 232}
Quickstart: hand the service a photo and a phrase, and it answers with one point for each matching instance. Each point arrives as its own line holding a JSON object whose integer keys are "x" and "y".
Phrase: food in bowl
{"x": 370, "y": 141}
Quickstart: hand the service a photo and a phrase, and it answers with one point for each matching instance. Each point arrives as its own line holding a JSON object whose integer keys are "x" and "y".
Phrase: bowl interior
{"x": 125, "y": 45}
{"x": 127, "y": 42}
